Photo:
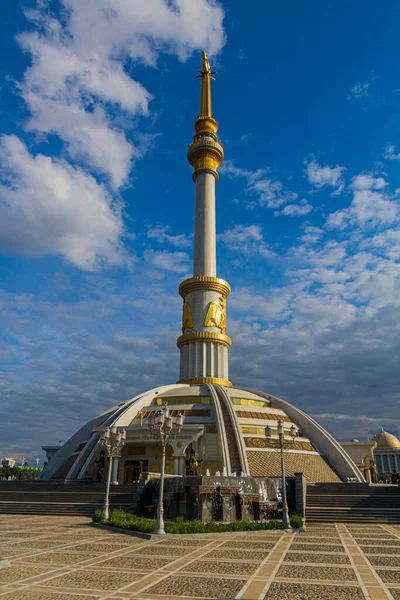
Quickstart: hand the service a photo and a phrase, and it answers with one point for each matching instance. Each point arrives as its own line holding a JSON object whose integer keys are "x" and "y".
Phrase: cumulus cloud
{"x": 370, "y": 205}
{"x": 246, "y": 240}
{"x": 359, "y": 90}
{"x": 160, "y": 234}
{"x": 391, "y": 152}
{"x": 47, "y": 206}
{"x": 263, "y": 190}
{"x": 367, "y": 182}
{"x": 77, "y": 87}
{"x": 311, "y": 234}
{"x": 297, "y": 210}
{"x": 320, "y": 176}
{"x": 178, "y": 262}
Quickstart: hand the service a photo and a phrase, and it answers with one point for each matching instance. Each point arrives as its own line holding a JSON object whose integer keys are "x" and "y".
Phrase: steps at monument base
{"x": 352, "y": 502}
{"x": 58, "y": 498}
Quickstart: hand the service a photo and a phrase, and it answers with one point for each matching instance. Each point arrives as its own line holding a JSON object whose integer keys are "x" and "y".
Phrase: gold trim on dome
{"x": 211, "y": 284}
{"x": 212, "y": 380}
{"x": 201, "y": 336}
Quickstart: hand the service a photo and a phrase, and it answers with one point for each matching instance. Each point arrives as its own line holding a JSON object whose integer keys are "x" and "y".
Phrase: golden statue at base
{"x": 216, "y": 315}
{"x": 187, "y": 319}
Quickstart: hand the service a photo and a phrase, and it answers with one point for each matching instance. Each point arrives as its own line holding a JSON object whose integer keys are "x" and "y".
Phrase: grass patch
{"x": 124, "y": 520}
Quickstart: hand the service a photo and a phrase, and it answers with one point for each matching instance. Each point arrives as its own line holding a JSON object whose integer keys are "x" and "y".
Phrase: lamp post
{"x": 113, "y": 441}
{"x": 163, "y": 424}
{"x": 281, "y": 435}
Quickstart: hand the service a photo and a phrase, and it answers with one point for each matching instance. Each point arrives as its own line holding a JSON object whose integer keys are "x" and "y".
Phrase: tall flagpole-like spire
{"x": 204, "y": 344}
{"x": 206, "y": 75}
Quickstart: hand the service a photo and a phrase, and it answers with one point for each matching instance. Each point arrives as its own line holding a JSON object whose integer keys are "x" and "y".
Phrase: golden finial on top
{"x": 205, "y": 153}
{"x": 206, "y": 75}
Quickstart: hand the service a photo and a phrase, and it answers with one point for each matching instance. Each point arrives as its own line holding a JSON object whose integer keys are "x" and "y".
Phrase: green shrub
{"x": 97, "y": 516}
{"x": 296, "y": 521}
{"x": 124, "y": 520}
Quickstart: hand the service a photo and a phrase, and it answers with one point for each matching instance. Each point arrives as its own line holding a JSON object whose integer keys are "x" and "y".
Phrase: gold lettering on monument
{"x": 274, "y": 443}
{"x": 216, "y": 315}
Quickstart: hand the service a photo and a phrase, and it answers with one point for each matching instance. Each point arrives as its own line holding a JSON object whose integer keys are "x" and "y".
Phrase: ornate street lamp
{"x": 164, "y": 423}
{"x": 113, "y": 441}
{"x": 281, "y": 434}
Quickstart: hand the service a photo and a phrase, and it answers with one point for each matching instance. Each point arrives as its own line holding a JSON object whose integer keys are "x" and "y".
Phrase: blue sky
{"x": 98, "y": 101}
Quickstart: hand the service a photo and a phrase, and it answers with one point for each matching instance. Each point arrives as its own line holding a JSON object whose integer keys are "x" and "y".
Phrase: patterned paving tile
{"x": 39, "y": 595}
{"x": 100, "y": 547}
{"x": 317, "y": 547}
{"x": 323, "y": 573}
{"x": 138, "y": 563}
{"x": 389, "y": 575}
{"x": 158, "y": 550}
{"x": 332, "y": 559}
{"x": 375, "y": 536}
{"x": 267, "y": 536}
{"x": 185, "y": 542}
{"x": 395, "y": 593}
{"x": 384, "y": 561}
{"x": 296, "y": 591}
{"x": 38, "y": 544}
{"x": 17, "y": 573}
{"x": 222, "y": 568}
{"x": 333, "y": 539}
{"x": 198, "y": 586}
{"x": 94, "y": 580}
{"x": 10, "y": 552}
{"x": 249, "y": 545}
{"x": 381, "y": 550}
{"x": 237, "y": 554}
{"x": 54, "y": 558}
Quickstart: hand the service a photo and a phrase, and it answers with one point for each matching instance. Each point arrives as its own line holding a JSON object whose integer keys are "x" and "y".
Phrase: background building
{"x": 387, "y": 454}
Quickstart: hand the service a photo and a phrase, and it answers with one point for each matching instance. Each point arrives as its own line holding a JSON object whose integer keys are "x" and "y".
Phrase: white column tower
{"x": 204, "y": 344}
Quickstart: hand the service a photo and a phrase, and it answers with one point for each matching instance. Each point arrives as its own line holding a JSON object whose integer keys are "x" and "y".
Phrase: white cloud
{"x": 367, "y": 182}
{"x": 272, "y": 305}
{"x": 360, "y": 90}
{"x": 390, "y": 153}
{"x": 367, "y": 208}
{"x": 246, "y": 240}
{"x": 311, "y": 235}
{"x": 77, "y": 69}
{"x": 177, "y": 262}
{"x": 78, "y": 88}
{"x": 159, "y": 234}
{"x": 49, "y": 207}
{"x": 143, "y": 29}
{"x": 262, "y": 189}
{"x": 320, "y": 176}
{"x": 297, "y": 210}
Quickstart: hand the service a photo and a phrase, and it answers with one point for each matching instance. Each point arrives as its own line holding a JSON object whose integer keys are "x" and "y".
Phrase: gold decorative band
{"x": 213, "y": 284}
{"x": 214, "y": 380}
{"x": 220, "y": 338}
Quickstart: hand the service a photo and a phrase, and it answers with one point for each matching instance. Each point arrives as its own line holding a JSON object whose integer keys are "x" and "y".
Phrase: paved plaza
{"x": 54, "y": 558}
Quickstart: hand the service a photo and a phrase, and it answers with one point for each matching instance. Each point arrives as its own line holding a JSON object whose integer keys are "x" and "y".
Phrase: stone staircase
{"x": 59, "y": 498}
{"x": 352, "y": 502}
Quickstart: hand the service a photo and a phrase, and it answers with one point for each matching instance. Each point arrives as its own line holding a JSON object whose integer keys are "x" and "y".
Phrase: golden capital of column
{"x": 204, "y": 283}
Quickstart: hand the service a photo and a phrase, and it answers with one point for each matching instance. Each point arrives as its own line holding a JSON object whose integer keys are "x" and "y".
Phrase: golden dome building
{"x": 223, "y": 424}
{"x": 387, "y": 454}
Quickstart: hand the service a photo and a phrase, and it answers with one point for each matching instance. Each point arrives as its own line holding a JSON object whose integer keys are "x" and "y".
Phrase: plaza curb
{"x": 154, "y": 536}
